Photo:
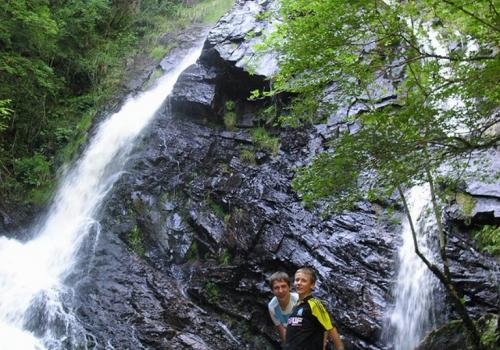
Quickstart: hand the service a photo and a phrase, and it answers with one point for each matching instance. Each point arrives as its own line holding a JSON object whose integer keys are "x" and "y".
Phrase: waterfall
{"x": 413, "y": 314}
{"x": 32, "y": 315}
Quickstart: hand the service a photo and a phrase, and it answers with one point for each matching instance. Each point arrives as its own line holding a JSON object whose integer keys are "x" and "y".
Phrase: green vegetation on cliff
{"x": 62, "y": 61}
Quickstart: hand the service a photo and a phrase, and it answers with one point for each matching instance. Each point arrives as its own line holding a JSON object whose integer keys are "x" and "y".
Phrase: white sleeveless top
{"x": 278, "y": 315}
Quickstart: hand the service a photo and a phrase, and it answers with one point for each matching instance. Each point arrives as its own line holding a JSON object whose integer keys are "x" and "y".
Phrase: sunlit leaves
{"x": 443, "y": 59}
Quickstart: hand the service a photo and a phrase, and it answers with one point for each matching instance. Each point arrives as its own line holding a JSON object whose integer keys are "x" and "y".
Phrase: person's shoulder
{"x": 315, "y": 303}
{"x": 273, "y": 302}
{"x": 294, "y": 296}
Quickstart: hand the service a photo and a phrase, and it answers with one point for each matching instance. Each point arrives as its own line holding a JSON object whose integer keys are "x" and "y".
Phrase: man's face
{"x": 303, "y": 284}
{"x": 280, "y": 289}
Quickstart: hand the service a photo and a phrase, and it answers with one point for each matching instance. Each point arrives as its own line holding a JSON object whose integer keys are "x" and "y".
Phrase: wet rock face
{"x": 234, "y": 37}
{"x": 203, "y": 215}
{"x": 241, "y": 223}
{"x": 479, "y": 200}
{"x": 228, "y": 68}
{"x": 221, "y": 222}
{"x": 123, "y": 303}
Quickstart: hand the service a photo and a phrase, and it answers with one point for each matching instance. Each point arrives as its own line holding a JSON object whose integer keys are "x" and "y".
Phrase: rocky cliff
{"x": 205, "y": 212}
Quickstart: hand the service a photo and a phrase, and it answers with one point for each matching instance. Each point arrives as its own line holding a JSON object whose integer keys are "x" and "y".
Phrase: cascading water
{"x": 413, "y": 314}
{"x": 32, "y": 274}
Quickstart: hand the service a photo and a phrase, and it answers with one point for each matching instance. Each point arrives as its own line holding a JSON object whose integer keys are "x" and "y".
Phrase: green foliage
{"x": 158, "y": 52}
{"x": 230, "y": 116}
{"x": 490, "y": 336}
{"x": 466, "y": 202}
{"x": 264, "y": 16}
{"x": 211, "y": 11}
{"x": 347, "y": 47}
{"x": 225, "y": 258}
{"x": 60, "y": 61}
{"x": 5, "y": 114}
{"x": 211, "y": 292}
{"x": 247, "y": 156}
{"x": 316, "y": 181}
{"x": 264, "y": 141}
{"x": 338, "y": 57}
{"x": 32, "y": 171}
{"x": 217, "y": 209}
{"x": 135, "y": 240}
{"x": 393, "y": 216}
{"x": 488, "y": 239}
{"x": 193, "y": 252}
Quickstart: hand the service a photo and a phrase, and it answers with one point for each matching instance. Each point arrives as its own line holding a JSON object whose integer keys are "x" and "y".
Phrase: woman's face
{"x": 303, "y": 284}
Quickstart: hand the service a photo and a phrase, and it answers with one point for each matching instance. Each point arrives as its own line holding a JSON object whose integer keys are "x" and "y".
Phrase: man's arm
{"x": 282, "y": 331}
{"x": 335, "y": 337}
{"x": 320, "y": 312}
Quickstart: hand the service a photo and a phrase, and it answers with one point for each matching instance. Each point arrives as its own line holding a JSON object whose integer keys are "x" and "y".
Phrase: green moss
{"x": 264, "y": 141}
{"x": 230, "y": 116}
{"x": 135, "y": 240}
{"x": 211, "y": 292}
{"x": 466, "y": 202}
{"x": 264, "y": 16}
{"x": 247, "y": 156}
{"x": 230, "y": 119}
{"x": 227, "y": 217}
{"x": 41, "y": 195}
{"x": 224, "y": 168}
{"x": 193, "y": 252}
{"x": 216, "y": 208}
{"x": 158, "y": 52}
{"x": 225, "y": 258}
{"x": 490, "y": 336}
{"x": 79, "y": 137}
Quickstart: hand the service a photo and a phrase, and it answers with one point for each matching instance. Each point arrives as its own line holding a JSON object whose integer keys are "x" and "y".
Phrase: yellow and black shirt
{"x": 307, "y": 324}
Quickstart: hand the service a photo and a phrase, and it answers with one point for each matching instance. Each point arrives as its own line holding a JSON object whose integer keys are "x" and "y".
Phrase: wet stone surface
{"x": 212, "y": 225}
{"x": 193, "y": 228}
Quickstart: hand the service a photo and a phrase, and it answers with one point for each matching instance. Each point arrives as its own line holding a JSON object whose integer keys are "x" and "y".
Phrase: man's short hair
{"x": 278, "y": 276}
{"x": 308, "y": 271}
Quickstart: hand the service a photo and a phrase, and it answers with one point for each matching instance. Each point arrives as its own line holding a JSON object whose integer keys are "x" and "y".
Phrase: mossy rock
{"x": 451, "y": 336}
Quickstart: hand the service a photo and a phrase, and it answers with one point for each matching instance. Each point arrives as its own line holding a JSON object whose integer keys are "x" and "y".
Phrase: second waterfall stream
{"x": 413, "y": 314}
{"x": 32, "y": 273}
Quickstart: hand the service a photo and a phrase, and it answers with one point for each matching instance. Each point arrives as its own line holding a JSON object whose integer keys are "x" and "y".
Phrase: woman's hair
{"x": 278, "y": 276}
{"x": 308, "y": 271}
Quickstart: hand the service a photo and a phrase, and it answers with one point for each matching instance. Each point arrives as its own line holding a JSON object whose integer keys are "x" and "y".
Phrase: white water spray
{"x": 413, "y": 314}
{"x": 34, "y": 271}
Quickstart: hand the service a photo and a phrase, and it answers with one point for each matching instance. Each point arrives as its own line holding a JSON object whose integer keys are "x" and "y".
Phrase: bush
{"x": 33, "y": 171}
{"x": 488, "y": 239}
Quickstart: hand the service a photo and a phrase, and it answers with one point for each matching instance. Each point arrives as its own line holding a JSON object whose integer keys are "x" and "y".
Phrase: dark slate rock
{"x": 236, "y": 34}
{"x": 194, "y": 95}
{"x": 228, "y": 68}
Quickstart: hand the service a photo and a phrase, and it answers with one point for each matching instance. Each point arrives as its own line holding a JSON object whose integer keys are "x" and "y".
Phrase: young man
{"x": 282, "y": 303}
{"x": 309, "y": 319}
